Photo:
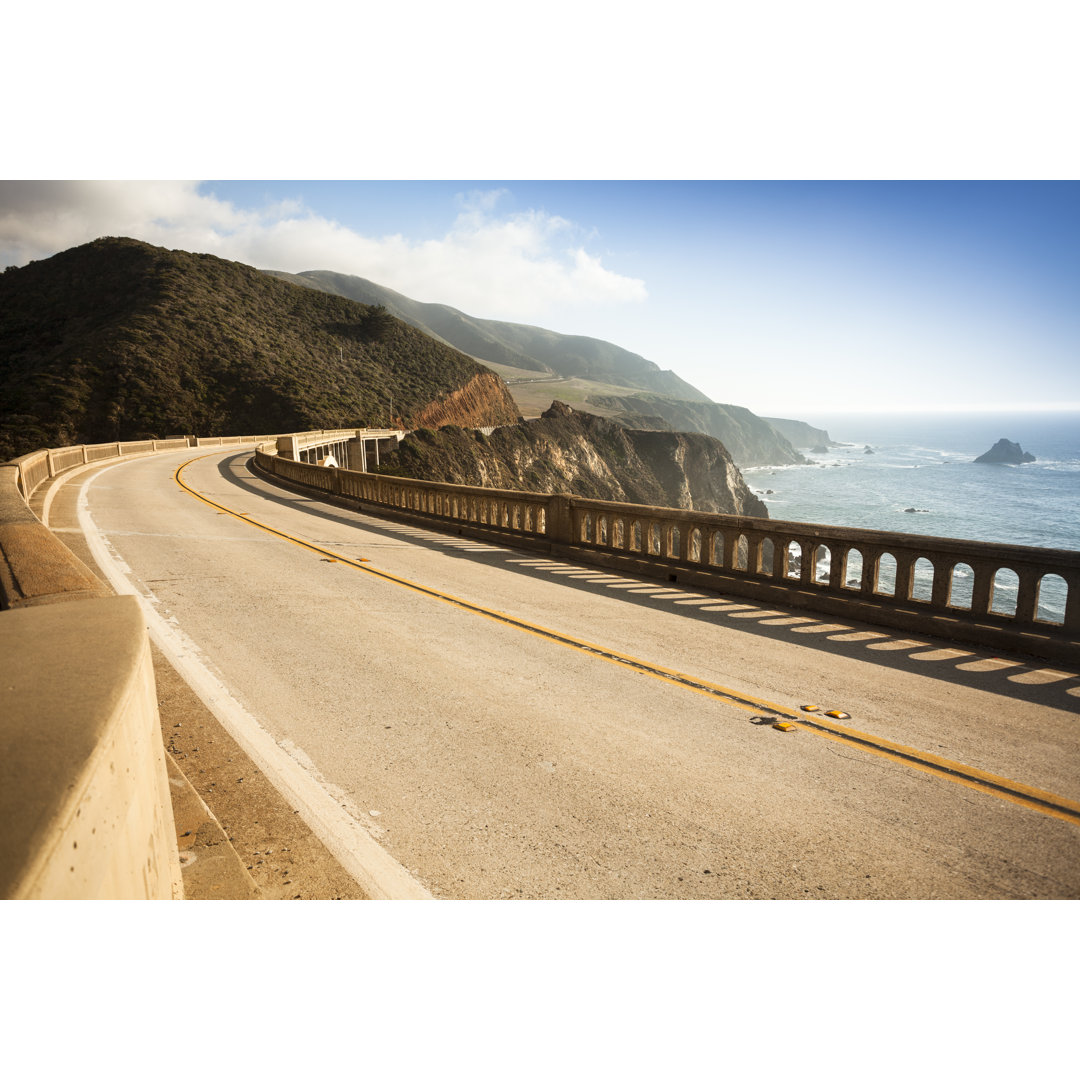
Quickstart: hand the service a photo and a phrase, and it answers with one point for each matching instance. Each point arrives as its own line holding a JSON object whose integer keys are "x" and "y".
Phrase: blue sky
{"x": 788, "y": 297}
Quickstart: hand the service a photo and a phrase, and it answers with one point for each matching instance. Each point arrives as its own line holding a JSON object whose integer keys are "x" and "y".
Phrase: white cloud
{"x": 511, "y": 266}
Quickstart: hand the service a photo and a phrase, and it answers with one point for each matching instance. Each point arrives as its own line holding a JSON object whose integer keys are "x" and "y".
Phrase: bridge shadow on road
{"x": 1008, "y": 675}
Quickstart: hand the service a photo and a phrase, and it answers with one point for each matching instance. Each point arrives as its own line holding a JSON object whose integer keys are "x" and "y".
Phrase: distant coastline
{"x": 925, "y": 461}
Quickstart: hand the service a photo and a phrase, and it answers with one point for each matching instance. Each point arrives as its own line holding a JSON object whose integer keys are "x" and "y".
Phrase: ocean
{"x": 925, "y": 463}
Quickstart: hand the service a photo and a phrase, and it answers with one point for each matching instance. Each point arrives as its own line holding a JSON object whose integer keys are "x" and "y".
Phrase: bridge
{"x": 469, "y": 692}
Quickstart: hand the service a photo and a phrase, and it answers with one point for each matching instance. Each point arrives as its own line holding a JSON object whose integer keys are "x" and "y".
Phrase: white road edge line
{"x": 380, "y": 875}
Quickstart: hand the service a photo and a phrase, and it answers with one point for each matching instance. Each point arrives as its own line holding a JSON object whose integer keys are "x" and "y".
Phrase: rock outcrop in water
{"x": 1004, "y": 452}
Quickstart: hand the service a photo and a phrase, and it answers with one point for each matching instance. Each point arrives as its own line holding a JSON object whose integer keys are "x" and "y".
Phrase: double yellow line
{"x": 1000, "y": 787}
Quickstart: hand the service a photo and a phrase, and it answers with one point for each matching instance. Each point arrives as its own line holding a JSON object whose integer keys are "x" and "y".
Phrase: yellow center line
{"x": 1000, "y": 787}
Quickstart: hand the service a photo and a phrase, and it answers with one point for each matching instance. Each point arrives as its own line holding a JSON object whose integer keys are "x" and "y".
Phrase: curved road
{"x": 490, "y": 758}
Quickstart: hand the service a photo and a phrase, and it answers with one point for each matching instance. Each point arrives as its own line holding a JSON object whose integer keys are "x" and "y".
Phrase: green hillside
{"x": 514, "y": 345}
{"x": 117, "y": 339}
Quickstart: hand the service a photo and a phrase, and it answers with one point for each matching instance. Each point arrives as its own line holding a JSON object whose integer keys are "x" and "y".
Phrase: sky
{"x": 789, "y": 297}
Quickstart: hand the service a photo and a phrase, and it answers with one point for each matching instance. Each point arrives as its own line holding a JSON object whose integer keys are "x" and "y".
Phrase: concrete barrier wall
{"x": 903, "y": 581}
{"x": 84, "y": 793}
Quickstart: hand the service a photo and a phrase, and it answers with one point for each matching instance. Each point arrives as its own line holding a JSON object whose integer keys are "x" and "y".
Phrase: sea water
{"x": 920, "y": 478}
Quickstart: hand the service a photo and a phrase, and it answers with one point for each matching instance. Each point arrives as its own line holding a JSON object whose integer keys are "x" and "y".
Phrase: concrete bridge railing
{"x": 998, "y": 596}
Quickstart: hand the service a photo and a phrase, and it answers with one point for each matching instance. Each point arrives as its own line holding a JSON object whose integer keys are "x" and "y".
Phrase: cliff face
{"x": 483, "y": 401}
{"x": 583, "y": 454}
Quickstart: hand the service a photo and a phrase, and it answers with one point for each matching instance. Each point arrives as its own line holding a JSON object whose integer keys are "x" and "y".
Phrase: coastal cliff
{"x": 482, "y": 402}
{"x": 800, "y": 434}
{"x": 748, "y": 438}
{"x": 583, "y": 454}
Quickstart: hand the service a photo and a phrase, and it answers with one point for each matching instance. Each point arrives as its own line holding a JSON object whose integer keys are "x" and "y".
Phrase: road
{"x": 493, "y": 724}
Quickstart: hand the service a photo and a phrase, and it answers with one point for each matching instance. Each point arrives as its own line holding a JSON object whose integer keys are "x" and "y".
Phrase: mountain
{"x": 582, "y": 454}
{"x": 117, "y": 339}
{"x": 508, "y": 344}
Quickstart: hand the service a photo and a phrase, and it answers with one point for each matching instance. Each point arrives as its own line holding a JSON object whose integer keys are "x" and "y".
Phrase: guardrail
{"x": 996, "y": 595}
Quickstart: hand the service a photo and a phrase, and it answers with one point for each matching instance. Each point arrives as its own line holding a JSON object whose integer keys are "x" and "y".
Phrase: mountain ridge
{"x": 508, "y": 343}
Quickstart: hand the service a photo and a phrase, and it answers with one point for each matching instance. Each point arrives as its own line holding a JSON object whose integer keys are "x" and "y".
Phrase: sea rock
{"x": 1004, "y": 452}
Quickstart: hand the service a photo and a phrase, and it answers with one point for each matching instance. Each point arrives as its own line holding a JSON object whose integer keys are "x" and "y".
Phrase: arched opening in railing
{"x": 922, "y": 581}
{"x": 1053, "y": 594}
{"x": 654, "y": 538}
{"x": 852, "y": 570}
{"x": 694, "y": 546}
{"x": 961, "y": 586}
{"x": 603, "y": 530}
{"x": 794, "y": 560}
{"x": 716, "y": 548}
{"x": 822, "y": 568}
{"x": 635, "y": 536}
{"x": 885, "y": 575}
{"x": 618, "y": 533}
{"x": 674, "y": 543}
{"x": 742, "y": 553}
{"x": 541, "y": 520}
{"x": 1004, "y": 590}
{"x": 766, "y": 555}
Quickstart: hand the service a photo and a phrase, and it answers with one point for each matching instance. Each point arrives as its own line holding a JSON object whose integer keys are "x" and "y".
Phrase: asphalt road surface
{"x": 480, "y": 722}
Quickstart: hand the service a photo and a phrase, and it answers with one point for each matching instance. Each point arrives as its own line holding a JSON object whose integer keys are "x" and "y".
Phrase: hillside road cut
{"x": 462, "y": 720}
